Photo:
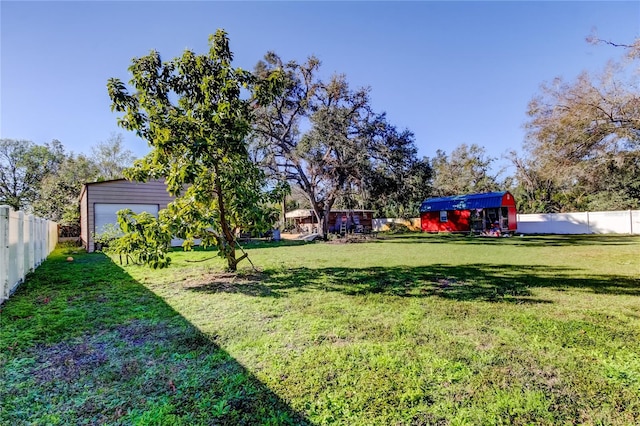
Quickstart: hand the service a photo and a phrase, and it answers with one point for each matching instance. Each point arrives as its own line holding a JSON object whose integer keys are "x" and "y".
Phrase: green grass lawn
{"x": 413, "y": 330}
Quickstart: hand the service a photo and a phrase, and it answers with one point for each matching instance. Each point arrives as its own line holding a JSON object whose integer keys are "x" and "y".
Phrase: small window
{"x": 443, "y": 216}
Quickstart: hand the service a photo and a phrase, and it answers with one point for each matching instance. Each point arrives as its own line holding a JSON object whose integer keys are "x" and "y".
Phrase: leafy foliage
{"x": 324, "y": 138}
{"x": 111, "y": 158}
{"x": 59, "y": 192}
{"x": 109, "y": 233}
{"x": 583, "y": 142}
{"x": 467, "y": 170}
{"x": 146, "y": 239}
{"x": 47, "y": 181}
{"x": 396, "y": 181}
{"x": 326, "y": 160}
{"x": 194, "y": 114}
{"x": 23, "y": 167}
{"x": 394, "y": 228}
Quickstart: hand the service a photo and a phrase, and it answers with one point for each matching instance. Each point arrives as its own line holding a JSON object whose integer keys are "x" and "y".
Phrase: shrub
{"x": 109, "y": 233}
{"x": 397, "y": 228}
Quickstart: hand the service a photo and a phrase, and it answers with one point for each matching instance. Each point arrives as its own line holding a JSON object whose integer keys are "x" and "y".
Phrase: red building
{"x": 491, "y": 212}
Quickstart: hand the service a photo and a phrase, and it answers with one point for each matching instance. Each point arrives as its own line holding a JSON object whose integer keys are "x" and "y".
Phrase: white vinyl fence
{"x": 613, "y": 222}
{"x": 25, "y": 241}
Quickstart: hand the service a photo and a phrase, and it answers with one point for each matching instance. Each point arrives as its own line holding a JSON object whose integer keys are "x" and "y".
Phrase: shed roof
{"x": 86, "y": 184}
{"x": 464, "y": 202}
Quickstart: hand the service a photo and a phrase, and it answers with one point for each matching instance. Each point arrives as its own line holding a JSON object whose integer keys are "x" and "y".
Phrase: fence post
{"x": 43, "y": 243}
{"x": 31, "y": 258}
{"x": 20, "y": 247}
{"x": 54, "y": 233}
{"x": 4, "y": 253}
{"x": 38, "y": 235}
{"x": 35, "y": 243}
{"x": 27, "y": 240}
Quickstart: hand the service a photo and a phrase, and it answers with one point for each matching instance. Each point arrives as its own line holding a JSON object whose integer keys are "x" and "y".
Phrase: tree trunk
{"x": 229, "y": 244}
{"x": 318, "y": 211}
{"x": 232, "y": 263}
{"x": 284, "y": 211}
{"x": 322, "y": 220}
{"x": 325, "y": 225}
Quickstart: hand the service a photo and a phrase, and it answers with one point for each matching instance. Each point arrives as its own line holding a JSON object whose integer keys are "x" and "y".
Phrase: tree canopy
{"x": 23, "y": 167}
{"x": 583, "y": 142}
{"x": 46, "y": 181}
{"x": 195, "y": 111}
{"x": 395, "y": 180}
{"x": 59, "y": 191}
{"x": 466, "y": 170}
{"x": 324, "y": 137}
{"x": 111, "y": 158}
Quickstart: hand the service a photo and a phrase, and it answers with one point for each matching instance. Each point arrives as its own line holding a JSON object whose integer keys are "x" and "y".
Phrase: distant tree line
{"x": 581, "y": 152}
{"x": 46, "y": 180}
{"x": 317, "y": 143}
{"x": 582, "y": 148}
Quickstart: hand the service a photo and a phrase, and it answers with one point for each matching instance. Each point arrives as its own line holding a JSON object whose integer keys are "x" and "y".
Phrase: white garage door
{"x": 107, "y": 213}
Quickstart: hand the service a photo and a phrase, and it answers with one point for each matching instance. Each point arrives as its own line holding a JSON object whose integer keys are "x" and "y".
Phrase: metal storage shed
{"x": 100, "y": 201}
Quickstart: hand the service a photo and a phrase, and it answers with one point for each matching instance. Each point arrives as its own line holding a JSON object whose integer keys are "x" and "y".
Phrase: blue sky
{"x": 454, "y": 72}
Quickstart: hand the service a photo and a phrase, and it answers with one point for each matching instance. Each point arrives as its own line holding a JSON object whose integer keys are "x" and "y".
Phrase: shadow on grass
{"x": 468, "y": 282}
{"x": 83, "y": 342}
{"x": 525, "y": 240}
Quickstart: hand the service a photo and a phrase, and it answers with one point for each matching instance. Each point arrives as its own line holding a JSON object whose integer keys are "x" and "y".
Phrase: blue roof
{"x": 463, "y": 202}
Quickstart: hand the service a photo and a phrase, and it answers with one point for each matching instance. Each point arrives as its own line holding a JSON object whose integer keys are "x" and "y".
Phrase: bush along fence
{"x": 25, "y": 241}
{"x": 385, "y": 224}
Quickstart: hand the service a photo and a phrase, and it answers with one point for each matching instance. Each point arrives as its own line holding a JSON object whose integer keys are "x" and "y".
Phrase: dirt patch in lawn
{"x": 68, "y": 361}
{"x": 227, "y": 282}
{"x": 353, "y": 239}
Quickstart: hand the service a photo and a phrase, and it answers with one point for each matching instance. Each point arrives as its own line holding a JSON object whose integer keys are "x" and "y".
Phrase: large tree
{"x": 583, "y": 140}
{"x": 59, "y": 191}
{"x": 195, "y": 114}
{"x": 323, "y": 137}
{"x": 466, "y": 170}
{"x": 23, "y": 167}
{"x": 397, "y": 181}
{"x": 111, "y": 158}
{"x": 324, "y": 161}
